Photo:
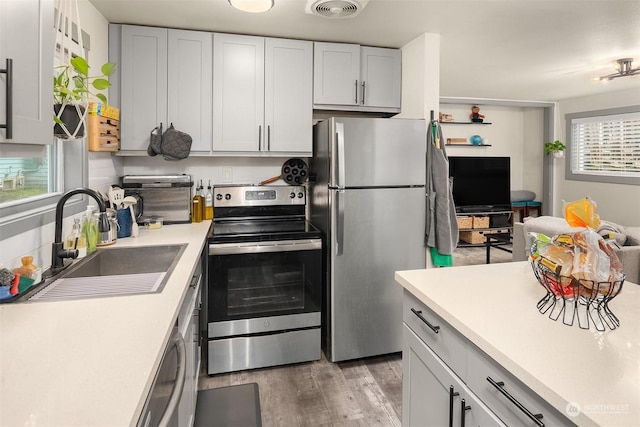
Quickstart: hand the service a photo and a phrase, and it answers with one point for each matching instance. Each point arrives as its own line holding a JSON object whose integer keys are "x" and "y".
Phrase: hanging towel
{"x": 442, "y": 226}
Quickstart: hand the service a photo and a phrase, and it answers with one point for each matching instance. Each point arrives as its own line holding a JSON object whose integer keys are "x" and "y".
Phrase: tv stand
{"x": 472, "y": 235}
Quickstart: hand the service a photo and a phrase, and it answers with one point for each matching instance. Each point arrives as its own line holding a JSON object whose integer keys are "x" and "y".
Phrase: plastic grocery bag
{"x": 582, "y": 213}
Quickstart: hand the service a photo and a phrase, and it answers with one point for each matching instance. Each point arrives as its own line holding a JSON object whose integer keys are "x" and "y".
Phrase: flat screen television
{"x": 481, "y": 184}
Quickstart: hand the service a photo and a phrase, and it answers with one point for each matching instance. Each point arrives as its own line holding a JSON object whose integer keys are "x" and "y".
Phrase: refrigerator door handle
{"x": 339, "y": 222}
{"x": 340, "y": 154}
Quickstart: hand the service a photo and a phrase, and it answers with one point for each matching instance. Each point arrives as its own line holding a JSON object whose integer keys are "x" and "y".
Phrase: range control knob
{"x": 300, "y": 195}
{"x": 218, "y": 196}
{"x": 292, "y": 195}
{"x": 227, "y": 196}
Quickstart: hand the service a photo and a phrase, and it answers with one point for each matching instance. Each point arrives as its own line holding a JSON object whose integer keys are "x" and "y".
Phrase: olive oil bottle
{"x": 208, "y": 203}
{"x": 197, "y": 205}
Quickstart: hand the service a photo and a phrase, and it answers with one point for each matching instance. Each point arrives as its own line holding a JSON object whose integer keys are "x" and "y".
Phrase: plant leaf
{"x": 101, "y": 97}
{"x": 108, "y": 68}
{"x": 80, "y": 65}
{"x": 101, "y": 84}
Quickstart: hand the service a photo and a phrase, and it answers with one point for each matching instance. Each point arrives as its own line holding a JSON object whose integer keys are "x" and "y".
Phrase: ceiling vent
{"x": 335, "y": 9}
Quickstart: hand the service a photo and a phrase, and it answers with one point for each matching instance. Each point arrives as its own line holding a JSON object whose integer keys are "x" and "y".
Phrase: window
{"x": 604, "y": 146}
{"x": 26, "y": 172}
{"x": 33, "y": 177}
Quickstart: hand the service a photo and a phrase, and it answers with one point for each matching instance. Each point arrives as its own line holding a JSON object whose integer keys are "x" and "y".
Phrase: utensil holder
{"x": 123, "y": 216}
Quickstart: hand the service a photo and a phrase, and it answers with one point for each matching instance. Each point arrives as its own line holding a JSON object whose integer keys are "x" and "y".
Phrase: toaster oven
{"x": 161, "y": 196}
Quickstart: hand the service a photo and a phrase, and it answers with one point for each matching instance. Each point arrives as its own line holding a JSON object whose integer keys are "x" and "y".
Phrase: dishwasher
{"x": 161, "y": 406}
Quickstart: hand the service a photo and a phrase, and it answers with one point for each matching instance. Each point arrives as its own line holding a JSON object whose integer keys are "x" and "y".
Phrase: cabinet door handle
{"x": 418, "y": 313}
{"x": 452, "y": 394}
{"x": 533, "y": 417}
{"x": 269, "y": 138}
{"x": 363, "y": 89}
{"x": 463, "y": 412}
{"x": 356, "y": 92}
{"x": 259, "y": 137}
{"x": 8, "y": 126}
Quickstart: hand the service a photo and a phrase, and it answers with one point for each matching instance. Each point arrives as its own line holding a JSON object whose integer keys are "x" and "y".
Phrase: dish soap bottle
{"x": 89, "y": 231}
{"x": 197, "y": 206}
{"x": 208, "y": 203}
{"x": 76, "y": 240}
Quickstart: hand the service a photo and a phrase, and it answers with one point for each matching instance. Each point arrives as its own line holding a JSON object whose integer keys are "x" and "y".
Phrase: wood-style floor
{"x": 364, "y": 392}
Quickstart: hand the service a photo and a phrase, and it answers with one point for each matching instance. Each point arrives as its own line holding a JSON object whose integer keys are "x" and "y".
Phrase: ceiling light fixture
{"x": 253, "y": 6}
{"x": 624, "y": 68}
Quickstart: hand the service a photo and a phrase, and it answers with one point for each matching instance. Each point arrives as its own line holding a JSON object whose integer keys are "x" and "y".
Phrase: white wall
{"x": 616, "y": 202}
{"x": 514, "y": 132}
{"x": 421, "y": 77}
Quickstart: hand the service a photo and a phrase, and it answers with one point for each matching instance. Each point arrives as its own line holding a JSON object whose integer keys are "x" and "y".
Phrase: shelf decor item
{"x": 555, "y": 148}
{"x": 475, "y": 140}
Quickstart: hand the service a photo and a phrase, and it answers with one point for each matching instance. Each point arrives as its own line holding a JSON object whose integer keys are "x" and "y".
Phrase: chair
{"x": 518, "y": 208}
{"x": 533, "y": 205}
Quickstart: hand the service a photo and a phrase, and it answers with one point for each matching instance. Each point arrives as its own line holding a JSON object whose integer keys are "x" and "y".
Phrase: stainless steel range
{"x": 264, "y": 297}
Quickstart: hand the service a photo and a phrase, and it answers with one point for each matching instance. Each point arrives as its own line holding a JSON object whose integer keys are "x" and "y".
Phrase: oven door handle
{"x": 264, "y": 247}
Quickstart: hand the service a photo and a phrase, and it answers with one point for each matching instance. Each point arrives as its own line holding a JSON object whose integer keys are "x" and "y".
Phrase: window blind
{"x": 606, "y": 145}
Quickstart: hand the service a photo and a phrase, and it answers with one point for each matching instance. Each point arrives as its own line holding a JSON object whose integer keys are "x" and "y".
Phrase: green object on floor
{"x": 440, "y": 260}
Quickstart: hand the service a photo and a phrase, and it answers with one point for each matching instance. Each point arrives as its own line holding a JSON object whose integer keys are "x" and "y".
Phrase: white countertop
{"x": 494, "y": 306}
{"x": 91, "y": 362}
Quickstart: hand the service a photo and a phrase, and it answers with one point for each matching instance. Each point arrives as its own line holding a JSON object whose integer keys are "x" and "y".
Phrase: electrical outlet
{"x": 227, "y": 174}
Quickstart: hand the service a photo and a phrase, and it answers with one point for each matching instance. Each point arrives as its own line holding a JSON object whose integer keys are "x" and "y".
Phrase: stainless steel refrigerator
{"x": 367, "y": 195}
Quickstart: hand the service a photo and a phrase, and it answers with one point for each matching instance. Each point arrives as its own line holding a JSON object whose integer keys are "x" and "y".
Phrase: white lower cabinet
{"x": 433, "y": 395}
{"x": 441, "y": 368}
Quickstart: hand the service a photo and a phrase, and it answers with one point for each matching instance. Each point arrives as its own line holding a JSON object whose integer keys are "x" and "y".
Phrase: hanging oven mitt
{"x": 175, "y": 145}
{"x": 155, "y": 141}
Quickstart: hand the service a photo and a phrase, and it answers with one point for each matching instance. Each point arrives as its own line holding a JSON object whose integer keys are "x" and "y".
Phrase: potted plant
{"x": 72, "y": 86}
{"x": 556, "y": 148}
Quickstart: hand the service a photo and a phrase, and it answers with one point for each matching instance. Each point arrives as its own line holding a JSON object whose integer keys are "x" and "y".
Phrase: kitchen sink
{"x": 113, "y": 272}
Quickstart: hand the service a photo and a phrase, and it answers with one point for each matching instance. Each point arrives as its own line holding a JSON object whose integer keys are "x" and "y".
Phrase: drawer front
{"x": 445, "y": 341}
{"x": 481, "y": 368}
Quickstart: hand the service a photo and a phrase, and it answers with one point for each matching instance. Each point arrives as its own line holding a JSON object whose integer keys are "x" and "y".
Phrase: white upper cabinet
{"x": 336, "y": 74}
{"x": 262, "y": 96}
{"x": 27, "y": 39}
{"x": 288, "y": 96}
{"x": 238, "y": 88}
{"x": 190, "y": 86}
{"x": 165, "y": 78}
{"x": 356, "y": 78}
{"x": 143, "y": 88}
{"x": 381, "y": 71}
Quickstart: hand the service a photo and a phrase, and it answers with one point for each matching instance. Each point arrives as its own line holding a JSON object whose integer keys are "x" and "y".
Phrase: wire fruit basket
{"x": 577, "y": 300}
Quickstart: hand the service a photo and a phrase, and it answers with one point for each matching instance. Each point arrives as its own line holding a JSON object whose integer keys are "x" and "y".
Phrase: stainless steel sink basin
{"x": 118, "y": 261}
{"x": 112, "y": 272}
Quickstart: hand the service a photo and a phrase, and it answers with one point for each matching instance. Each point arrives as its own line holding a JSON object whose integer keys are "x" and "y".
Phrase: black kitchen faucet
{"x": 58, "y": 253}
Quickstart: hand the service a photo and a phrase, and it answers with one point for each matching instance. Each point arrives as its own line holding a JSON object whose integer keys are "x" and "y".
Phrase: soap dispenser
{"x": 76, "y": 240}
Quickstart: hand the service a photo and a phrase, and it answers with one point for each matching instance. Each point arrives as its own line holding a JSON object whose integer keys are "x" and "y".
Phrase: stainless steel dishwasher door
{"x": 161, "y": 407}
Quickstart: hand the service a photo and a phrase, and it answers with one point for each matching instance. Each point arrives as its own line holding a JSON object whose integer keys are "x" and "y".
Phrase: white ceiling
{"x": 534, "y": 50}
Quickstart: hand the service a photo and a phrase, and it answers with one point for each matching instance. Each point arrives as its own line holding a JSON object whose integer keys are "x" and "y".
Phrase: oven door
{"x": 264, "y": 279}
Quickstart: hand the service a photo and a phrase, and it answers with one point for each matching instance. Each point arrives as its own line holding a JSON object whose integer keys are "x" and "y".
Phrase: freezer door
{"x": 377, "y": 152}
{"x": 374, "y": 233}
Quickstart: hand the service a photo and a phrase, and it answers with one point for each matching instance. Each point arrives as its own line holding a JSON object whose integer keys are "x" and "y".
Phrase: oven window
{"x": 271, "y": 288}
{"x": 265, "y": 284}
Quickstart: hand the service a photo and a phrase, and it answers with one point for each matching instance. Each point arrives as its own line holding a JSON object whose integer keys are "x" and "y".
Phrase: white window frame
{"x": 612, "y": 136}
{"x": 71, "y": 170}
